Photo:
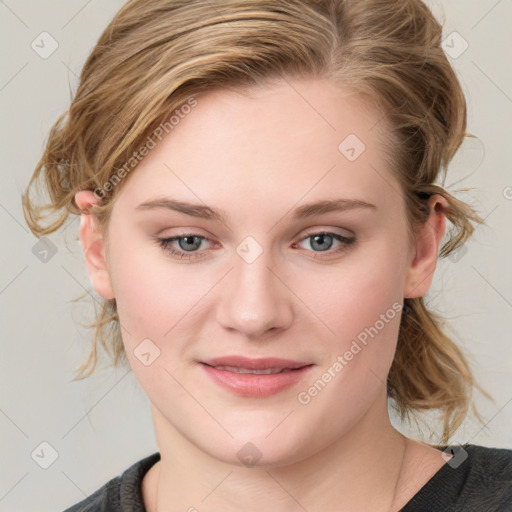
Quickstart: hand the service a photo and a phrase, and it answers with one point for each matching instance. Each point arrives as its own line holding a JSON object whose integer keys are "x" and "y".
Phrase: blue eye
{"x": 324, "y": 241}
{"x": 189, "y": 244}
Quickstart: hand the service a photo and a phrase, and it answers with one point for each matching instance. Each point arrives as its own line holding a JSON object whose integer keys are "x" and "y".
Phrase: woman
{"x": 258, "y": 188}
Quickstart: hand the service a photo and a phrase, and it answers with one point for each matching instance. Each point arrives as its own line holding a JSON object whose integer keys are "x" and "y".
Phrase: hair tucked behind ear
{"x": 157, "y": 55}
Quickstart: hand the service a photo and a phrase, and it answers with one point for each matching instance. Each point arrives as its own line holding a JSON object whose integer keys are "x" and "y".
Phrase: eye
{"x": 323, "y": 241}
{"x": 188, "y": 243}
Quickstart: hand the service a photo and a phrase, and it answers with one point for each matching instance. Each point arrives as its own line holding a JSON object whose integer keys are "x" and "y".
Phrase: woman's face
{"x": 257, "y": 282}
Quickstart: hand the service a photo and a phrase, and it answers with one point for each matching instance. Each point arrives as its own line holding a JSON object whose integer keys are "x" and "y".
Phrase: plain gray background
{"x": 98, "y": 427}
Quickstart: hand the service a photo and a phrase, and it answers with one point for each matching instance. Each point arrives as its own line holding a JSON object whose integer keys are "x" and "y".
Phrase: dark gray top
{"x": 476, "y": 479}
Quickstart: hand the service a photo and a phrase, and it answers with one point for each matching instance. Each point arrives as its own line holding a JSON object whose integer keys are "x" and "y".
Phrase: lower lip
{"x": 253, "y": 385}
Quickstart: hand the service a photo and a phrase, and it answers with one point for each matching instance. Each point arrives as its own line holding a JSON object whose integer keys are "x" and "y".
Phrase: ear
{"x": 426, "y": 249}
{"x": 93, "y": 245}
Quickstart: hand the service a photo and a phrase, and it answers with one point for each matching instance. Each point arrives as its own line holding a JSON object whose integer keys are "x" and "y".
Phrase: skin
{"x": 259, "y": 154}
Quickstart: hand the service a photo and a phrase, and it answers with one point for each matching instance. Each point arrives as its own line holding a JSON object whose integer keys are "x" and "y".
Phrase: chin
{"x": 260, "y": 453}
{"x": 265, "y": 448}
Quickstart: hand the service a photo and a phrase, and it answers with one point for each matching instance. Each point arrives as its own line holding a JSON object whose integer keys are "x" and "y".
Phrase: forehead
{"x": 280, "y": 142}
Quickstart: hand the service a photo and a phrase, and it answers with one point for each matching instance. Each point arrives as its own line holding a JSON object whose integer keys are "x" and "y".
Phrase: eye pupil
{"x": 187, "y": 240}
{"x": 321, "y": 237}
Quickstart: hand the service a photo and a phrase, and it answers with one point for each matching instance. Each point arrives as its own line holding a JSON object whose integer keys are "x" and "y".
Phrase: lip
{"x": 255, "y": 364}
{"x": 255, "y": 385}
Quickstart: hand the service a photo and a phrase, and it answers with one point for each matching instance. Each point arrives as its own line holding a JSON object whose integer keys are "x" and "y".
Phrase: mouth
{"x": 267, "y": 365}
{"x": 255, "y": 377}
{"x": 267, "y": 371}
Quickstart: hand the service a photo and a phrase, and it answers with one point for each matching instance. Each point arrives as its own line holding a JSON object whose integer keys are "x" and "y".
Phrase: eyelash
{"x": 165, "y": 243}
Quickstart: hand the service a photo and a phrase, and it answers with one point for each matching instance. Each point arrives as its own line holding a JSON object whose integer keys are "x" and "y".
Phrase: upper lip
{"x": 254, "y": 364}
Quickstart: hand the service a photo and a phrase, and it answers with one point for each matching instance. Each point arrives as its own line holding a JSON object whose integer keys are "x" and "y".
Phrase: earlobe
{"x": 427, "y": 245}
{"x": 93, "y": 245}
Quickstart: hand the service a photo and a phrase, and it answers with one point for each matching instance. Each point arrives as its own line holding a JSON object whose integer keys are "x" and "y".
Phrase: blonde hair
{"x": 155, "y": 55}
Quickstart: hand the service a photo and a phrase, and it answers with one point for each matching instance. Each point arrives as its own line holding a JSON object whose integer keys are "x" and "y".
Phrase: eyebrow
{"x": 302, "y": 212}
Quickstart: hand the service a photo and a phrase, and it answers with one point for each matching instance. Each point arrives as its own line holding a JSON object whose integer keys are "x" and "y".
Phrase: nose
{"x": 255, "y": 299}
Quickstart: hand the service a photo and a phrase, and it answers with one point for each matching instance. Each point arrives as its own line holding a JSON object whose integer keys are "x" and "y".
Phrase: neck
{"x": 367, "y": 458}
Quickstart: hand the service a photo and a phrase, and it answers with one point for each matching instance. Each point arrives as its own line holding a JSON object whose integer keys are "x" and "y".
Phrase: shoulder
{"x": 494, "y": 460}
{"x": 102, "y": 500}
{"x": 120, "y": 493}
{"x": 489, "y": 476}
{"x": 475, "y": 479}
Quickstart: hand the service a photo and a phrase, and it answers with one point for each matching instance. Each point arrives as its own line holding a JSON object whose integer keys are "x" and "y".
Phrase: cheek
{"x": 364, "y": 285}
{"x": 157, "y": 298}
{"x": 146, "y": 294}
{"x": 360, "y": 302}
